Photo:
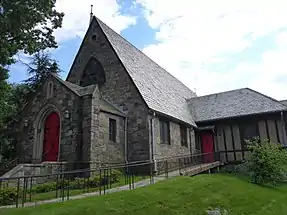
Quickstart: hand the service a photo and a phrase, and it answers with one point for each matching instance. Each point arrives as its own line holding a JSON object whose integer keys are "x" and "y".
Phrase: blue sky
{"x": 210, "y": 49}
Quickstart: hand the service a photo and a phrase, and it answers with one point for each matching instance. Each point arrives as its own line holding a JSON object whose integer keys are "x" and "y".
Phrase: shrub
{"x": 112, "y": 176}
{"x": 8, "y": 196}
{"x": 267, "y": 163}
{"x": 43, "y": 188}
{"x": 115, "y": 176}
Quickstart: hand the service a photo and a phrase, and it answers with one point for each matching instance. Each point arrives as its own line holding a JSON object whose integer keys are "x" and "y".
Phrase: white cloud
{"x": 193, "y": 34}
{"x": 281, "y": 39}
{"x": 77, "y": 15}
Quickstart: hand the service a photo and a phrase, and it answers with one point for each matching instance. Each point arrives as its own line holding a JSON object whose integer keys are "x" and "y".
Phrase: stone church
{"x": 119, "y": 106}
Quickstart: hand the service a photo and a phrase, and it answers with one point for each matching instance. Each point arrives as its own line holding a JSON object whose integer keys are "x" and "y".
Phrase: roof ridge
{"x": 213, "y": 94}
{"x": 275, "y": 100}
{"x": 65, "y": 84}
{"x": 101, "y": 22}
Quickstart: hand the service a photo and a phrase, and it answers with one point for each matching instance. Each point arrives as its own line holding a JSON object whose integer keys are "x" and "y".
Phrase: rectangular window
{"x": 112, "y": 130}
{"x": 183, "y": 136}
{"x": 197, "y": 141}
{"x": 164, "y": 132}
{"x": 248, "y": 132}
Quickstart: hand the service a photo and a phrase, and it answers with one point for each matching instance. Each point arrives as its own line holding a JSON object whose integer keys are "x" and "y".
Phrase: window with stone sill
{"x": 164, "y": 131}
{"x": 183, "y": 136}
{"x": 112, "y": 130}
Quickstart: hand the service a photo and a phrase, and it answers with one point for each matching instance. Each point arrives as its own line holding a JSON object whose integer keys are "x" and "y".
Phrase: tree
{"x": 40, "y": 67}
{"x": 16, "y": 96}
{"x": 28, "y": 26}
{"x": 5, "y": 88}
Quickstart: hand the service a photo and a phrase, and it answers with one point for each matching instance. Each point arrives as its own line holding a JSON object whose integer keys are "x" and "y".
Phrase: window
{"x": 164, "y": 132}
{"x": 93, "y": 73}
{"x": 197, "y": 142}
{"x": 183, "y": 136}
{"x": 112, "y": 130}
{"x": 50, "y": 90}
{"x": 248, "y": 132}
{"x": 94, "y": 38}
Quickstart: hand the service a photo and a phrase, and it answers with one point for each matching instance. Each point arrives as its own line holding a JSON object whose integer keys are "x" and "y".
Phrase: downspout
{"x": 153, "y": 139}
{"x": 126, "y": 140}
{"x": 283, "y": 128}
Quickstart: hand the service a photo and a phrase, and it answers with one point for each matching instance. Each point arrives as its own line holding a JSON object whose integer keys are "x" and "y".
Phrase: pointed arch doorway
{"x": 51, "y": 137}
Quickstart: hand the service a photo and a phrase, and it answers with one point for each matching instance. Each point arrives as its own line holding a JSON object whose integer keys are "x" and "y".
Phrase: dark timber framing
{"x": 232, "y": 139}
{"x": 237, "y": 137}
{"x": 277, "y": 131}
{"x": 225, "y": 147}
{"x": 242, "y": 143}
{"x": 267, "y": 130}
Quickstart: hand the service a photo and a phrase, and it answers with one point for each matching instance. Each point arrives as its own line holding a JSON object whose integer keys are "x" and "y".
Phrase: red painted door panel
{"x": 51, "y": 138}
{"x": 207, "y": 147}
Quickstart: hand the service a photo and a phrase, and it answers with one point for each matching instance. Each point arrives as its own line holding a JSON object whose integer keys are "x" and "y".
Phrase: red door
{"x": 51, "y": 138}
{"x": 207, "y": 147}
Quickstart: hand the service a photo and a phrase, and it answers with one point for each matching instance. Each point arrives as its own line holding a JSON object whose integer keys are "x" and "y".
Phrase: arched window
{"x": 93, "y": 73}
{"x": 50, "y": 90}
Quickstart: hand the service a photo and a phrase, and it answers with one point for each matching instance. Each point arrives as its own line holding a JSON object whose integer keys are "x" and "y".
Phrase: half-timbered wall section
{"x": 230, "y": 135}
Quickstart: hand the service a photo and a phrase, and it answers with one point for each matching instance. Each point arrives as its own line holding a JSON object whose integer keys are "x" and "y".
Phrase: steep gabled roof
{"x": 78, "y": 90}
{"x": 240, "y": 102}
{"x": 82, "y": 91}
{"x": 161, "y": 91}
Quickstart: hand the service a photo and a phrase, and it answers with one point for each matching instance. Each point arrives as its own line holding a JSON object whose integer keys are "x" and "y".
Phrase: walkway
{"x": 188, "y": 171}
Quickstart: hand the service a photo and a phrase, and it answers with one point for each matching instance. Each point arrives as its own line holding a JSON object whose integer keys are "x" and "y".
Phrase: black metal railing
{"x": 65, "y": 184}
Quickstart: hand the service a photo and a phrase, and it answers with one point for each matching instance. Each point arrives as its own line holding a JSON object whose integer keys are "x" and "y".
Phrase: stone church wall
{"x": 103, "y": 150}
{"x": 117, "y": 89}
{"x": 32, "y": 123}
{"x": 175, "y": 148}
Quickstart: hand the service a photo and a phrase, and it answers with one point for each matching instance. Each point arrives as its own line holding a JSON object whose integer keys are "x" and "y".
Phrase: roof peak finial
{"x": 91, "y": 14}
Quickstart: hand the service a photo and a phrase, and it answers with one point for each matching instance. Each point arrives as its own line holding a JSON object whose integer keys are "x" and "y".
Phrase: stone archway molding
{"x": 38, "y": 126}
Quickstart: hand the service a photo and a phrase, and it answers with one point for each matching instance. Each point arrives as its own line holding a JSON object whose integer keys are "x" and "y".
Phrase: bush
{"x": 112, "y": 176}
{"x": 267, "y": 163}
{"x": 8, "y": 196}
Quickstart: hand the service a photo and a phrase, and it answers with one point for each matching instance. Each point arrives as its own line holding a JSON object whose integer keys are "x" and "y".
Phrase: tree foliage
{"x": 28, "y": 26}
{"x": 5, "y": 89}
{"x": 25, "y": 26}
{"x": 267, "y": 163}
{"x": 40, "y": 67}
{"x": 17, "y": 95}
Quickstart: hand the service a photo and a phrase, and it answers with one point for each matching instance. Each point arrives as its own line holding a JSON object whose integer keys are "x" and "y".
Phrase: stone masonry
{"x": 118, "y": 89}
{"x": 29, "y": 147}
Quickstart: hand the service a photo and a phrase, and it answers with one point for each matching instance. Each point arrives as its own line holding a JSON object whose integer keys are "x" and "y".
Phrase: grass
{"x": 74, "y": 192}
{"x": 180, "y": 195}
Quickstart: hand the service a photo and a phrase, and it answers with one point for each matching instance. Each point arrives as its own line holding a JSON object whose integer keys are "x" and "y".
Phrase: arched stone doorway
{"x": 51, "y": 137}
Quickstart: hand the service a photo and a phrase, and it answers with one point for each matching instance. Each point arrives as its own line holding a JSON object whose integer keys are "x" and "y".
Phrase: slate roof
{"x": 82, "y": 91}
{"x": 161, "y": 91}
{"x": 108, "y": 107}
{"x": 240, "y": 102}
{"x": 284, "y": 102}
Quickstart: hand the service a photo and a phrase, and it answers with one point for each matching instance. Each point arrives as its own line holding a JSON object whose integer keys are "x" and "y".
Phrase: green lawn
{"x": 181, "y": 195}
{"x": 52, "y": 194}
